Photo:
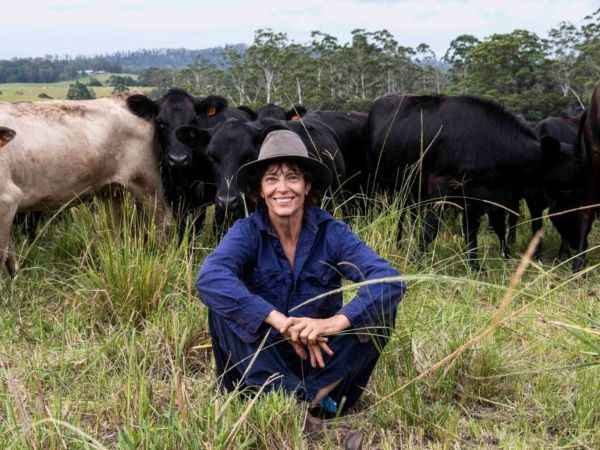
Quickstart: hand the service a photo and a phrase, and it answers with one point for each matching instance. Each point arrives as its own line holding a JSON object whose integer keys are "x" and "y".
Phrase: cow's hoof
{"x": 578, "y": 264}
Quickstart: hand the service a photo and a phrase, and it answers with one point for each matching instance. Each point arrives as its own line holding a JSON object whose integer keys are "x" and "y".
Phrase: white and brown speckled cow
{"x": 66, "y": 151}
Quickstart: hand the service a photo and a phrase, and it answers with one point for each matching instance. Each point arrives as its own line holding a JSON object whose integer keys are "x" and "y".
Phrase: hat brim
{"x": 321, "y": 173}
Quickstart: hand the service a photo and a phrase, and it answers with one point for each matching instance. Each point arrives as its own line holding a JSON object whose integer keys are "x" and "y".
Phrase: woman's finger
{"x": 318, "y": 356}
{"x": 304, "y": 335}
{"x": 299, "y": 350}
{"x": 313, "y": 362}
{"x": 326, "y": 348}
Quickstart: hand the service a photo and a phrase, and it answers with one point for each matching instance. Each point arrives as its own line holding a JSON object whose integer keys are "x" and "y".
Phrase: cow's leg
{"x": 586, "y": 218}
{"x": 10, "y": 197}
{"x": 431, "y": 227}
{"x": 150, "y": 196}
{"x": 513, "y": 205}
{"x": 436, "y": 186}
{"x": 497, "y": 221}
{"x": 536, "y": 206}
{"x": 470, "y": 223}
{"x": 563, "y": 252}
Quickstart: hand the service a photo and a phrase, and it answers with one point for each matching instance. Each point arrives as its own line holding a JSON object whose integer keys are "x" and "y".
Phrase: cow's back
{"x": 69, "y": 148}
{"x": 456, "y": 135}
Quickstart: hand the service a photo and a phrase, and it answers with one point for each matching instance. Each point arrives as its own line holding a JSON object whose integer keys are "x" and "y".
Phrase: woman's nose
{"x": 282, "y": 185}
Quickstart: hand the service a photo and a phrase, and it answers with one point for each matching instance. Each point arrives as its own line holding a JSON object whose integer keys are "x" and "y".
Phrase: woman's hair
{"x": 313, "y": 198}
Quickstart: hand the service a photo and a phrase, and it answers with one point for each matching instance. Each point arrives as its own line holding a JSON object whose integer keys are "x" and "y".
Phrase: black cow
{"x": 565, "y": 130}
{"x": 466, "y": 149}
{"x": 187, "y": 176}
{"x": 234, "y": 142}
{"x": 350, "y": 129}
{"x": 590, "y": 155}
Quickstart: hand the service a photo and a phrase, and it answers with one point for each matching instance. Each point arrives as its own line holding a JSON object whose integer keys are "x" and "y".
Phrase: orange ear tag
{"x": 211, "y": 111}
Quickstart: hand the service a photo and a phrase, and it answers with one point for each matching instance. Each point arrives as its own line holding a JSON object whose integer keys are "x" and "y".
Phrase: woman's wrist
{"x": 276, "y": 319}
{"x": 337, "y": 323}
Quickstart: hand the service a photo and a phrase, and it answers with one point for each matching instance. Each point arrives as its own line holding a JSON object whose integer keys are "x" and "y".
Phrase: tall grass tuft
{"x": 126, "y": 273}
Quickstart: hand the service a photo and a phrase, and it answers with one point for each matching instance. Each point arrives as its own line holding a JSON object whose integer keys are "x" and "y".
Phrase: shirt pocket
{"x": 315, "y": 282}
{"x": 272, "y": 285}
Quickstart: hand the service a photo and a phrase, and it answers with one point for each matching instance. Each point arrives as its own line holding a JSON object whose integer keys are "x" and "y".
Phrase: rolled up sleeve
{"x": 220, "y": 286}
{"x": 374, "y": 304}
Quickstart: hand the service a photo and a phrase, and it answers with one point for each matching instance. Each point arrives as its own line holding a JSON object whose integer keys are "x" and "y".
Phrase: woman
{"x": 261, "y": 282}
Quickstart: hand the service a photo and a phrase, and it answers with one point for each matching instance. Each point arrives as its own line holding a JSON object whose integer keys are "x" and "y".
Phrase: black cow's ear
{"x": 296, "y": 112}
{"x": 142, "y": 106}
{"x": 211, "y": 105}
{"x": 253, "y": 114}
{"x": 192, "y": 136}
{"x": 6, "y": 135}
{"x": 550, "y": 149}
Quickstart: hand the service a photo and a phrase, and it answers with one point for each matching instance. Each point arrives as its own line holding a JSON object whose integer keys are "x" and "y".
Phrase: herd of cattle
{"x": 181, "y": 153}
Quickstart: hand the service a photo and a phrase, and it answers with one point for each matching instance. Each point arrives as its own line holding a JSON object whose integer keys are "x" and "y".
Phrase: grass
{"x": 14, "y": 92}
{"x": 105, "y": 345}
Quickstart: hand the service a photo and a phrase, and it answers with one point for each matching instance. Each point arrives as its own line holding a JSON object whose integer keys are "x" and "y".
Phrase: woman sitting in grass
{"x": 273, "y": 319}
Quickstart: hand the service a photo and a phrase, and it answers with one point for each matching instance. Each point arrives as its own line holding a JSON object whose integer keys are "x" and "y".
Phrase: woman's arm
{"x": 374, "y": 304}
{"x": 220, "y": 284}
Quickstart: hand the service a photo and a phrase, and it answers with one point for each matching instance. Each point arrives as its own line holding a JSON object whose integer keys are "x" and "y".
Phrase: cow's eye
{"x": 210, "y": 159}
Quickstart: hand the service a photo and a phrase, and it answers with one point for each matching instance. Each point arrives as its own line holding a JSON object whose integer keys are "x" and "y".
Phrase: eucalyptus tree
{"x": 267, "y": 56}
{"x": 458, "y": 57}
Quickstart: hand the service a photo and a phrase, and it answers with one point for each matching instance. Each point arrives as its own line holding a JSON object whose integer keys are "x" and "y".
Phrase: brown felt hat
{"x": 281, "y": 146}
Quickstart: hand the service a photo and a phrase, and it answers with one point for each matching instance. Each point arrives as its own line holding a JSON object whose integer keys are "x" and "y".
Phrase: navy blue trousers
{"x": 353, "y": 360}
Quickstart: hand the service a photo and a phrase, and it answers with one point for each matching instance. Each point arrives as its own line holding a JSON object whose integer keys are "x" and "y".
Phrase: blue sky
{"x": 75, "y": 27}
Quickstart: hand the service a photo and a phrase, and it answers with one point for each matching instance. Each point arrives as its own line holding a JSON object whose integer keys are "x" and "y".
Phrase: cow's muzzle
{"x": 179, "y": 160}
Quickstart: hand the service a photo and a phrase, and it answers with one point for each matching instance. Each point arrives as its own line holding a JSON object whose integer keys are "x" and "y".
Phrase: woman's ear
{"x": 307, "y": 190}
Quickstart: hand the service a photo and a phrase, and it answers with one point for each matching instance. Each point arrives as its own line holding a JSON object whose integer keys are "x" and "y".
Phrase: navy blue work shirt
{"x": 248, "y": 275}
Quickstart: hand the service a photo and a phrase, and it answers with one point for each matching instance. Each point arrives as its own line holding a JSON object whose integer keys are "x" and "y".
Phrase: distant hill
{"x": 52, "y": 69}
{"x": 168, "y": 58}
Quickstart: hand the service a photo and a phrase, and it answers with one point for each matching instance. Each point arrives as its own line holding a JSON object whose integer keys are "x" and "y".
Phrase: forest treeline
{"x": 531, "y": 75}
{"x": 53, "y": 68}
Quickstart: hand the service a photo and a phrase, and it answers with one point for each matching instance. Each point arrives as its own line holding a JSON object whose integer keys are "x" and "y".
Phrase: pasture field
{"x": 15, "y": 92}
{"x": 105, "y": 345}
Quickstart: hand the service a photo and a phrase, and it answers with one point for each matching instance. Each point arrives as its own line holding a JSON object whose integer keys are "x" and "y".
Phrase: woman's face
{"x": 283, "y": 188}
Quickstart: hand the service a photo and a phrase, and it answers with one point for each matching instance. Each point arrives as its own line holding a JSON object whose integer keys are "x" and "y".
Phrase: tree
{"x": 457, "y": 56}
{"x": 94, "y": 82}
{"x": 507, "y": 64}
{"x": 588, "y": 63}
{"x": 267, "y": 56}
{"x": 79, "y": 91}
{"x": 325, "y": 49}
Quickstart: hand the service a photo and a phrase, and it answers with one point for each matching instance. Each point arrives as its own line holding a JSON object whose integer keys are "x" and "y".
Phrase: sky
{"x": 92, "y": 27}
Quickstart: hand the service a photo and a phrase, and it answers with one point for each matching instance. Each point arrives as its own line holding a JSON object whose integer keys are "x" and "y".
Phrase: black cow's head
{"x": 175, "y": 109}
{"x": 228, "y": 146}
{"x": 561, "y": 168}
{"x": 272, "y": 111}
{"x": 6, "y": 135}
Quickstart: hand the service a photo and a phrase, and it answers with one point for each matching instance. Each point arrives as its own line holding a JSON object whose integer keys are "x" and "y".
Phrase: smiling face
{"x": 283, "y": 189}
